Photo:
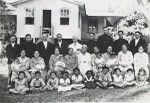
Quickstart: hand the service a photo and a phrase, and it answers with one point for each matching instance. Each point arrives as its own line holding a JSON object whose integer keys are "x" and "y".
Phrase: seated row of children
{"x": 103, "y": 79}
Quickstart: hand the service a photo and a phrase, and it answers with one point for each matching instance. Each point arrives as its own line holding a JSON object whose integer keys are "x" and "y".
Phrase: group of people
{"x": 95, "y": 64}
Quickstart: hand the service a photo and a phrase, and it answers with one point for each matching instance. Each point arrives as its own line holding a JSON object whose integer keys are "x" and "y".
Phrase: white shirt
{"x": 125, "y": 58}
{"x": 75, "y": 47}
{"x": 45, "y": 44}
{"x": 141, "y": 59}
{"x": 136, "y": 41}
{"x": 117, "y": 78}
{"x": 77, "y": 78}
{"x": 13, "y": 44}
{"x": 65, "y": 82}
{"x": 59, "y": 43}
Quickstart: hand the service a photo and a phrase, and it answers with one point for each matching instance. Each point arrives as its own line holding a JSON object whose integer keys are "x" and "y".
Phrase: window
{"x": 93, "y": 26}
{"x": 64, "y": 16}
{"x": 29, "y": 19}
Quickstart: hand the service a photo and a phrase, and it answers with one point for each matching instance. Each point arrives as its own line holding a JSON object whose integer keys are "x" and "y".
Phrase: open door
{"x": 47, "y": 21}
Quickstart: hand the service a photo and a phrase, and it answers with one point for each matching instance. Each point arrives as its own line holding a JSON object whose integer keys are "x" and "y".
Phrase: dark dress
{"x": 29, "y": 48}
{"x": 90, "y": 84}
{"x": 117, "y": 45}
{"x": 91, "y": 44}
{"x": 45, "y": 53}
{"x": 12, "y": 52}
{"x": 103, "y": 42}
{"x": 133, "y": 48}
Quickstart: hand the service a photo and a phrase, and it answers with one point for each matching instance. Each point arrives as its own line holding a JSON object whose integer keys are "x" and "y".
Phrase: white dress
{"x": 84, "y": 62}
{"x": 64, "y": 82}
{"x": 125, "y": 60}
{"x": 78, "y": 78}
{"x": 141, "y": 61}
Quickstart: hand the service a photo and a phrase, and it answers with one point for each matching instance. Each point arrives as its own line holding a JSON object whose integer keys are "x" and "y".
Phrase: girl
{"x": 142, "y": 78}
{"x": 15, "y": 67}
{"x": 112, "y": 62}
{"x": 52, "y": 83}
{"x": 59, "y": 66}
{"x": 89, "y": 81}
{"x": 20, "y": 84}
{"x": 118, "y": 79}
{"x": 104, "y": 78}
{"x": 77, "y": 80}
{"x": 64, "y": 82}
{"x": 129, "y": 78}
{"x": 99, "y": 62}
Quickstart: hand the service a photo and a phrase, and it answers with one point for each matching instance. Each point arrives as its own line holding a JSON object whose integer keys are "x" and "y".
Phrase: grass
{"x": 97, "y": 95}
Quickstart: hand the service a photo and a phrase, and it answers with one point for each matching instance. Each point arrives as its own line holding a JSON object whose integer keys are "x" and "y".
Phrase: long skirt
{"x": 77, "y": 86}
{"x": 61, "y": 88}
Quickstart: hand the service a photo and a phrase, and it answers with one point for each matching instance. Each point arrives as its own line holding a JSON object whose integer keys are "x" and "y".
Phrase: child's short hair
{"x": 63, "y": 72}
{"x": 142, "y": 70}
{"x": 52, "y": 72}
{"x": 105, "y": 68}
{"x": 37, "y": 72}
{"x": 117, "y": 69}
{"x": 89, "y": 71}
{"x": 130, "y": 69}
{"x": 75, "y": 70}
{"x": 21, "y": 72}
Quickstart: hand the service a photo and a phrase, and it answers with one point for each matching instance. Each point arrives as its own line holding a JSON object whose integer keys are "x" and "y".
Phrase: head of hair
{"x": 76, "y": 69}
{"x": 37, "y": 72}
{"x": 142, "y": 70}
{"x": 116, "y": 70}
{"x": 130, "y": 69}
{"x": 105, "y": 27}
{"x": 138, "y": 32}
{"x": 27, "y": 35}
{"x": 21, "y": 72}
{"x": 120, "y": 31}
{"x": 59, "y": 34}
{"x": 103, "y": 68}
{"x": 90, "y": 71}
{"x": 64, "y": 72}
{"x": 52, "y": 73}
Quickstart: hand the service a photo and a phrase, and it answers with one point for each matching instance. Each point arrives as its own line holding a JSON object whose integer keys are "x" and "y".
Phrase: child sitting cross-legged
{"x": 89, "y": 80}
{"x": 129, "y": 78}
{"x": 118, "y": 79}
{"x": 141, "y": 79}
{"x": 77, "y": 80}
{"x": 64, "y": 82}
{"x": 21, "y": 84}
{"x": 104, "y": 78}
{"x": 52, "y": 83}
{"x": 37, "y": 84}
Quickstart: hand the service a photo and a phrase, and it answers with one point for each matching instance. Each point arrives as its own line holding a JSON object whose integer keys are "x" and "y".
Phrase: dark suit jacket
{"x": 64, "y": 47}
{"x": 29, "y": 47}
{"x": 45, "y": 53}
{"x": 134, "y": 48}
{"x": 103, "y": 42}
{"x": 12, "y": 53}
{"x": 91, "y": 44}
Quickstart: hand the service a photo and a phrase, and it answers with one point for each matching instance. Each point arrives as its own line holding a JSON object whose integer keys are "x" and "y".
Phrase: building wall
{"x": 85, "y": 33}
{"x": 54, "y": 5}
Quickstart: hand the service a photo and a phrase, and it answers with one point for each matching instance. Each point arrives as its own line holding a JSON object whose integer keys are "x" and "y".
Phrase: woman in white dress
{"x": 84, "y": 60}
{"x": 141, "y": 60}
{"x": 125, "y": 59}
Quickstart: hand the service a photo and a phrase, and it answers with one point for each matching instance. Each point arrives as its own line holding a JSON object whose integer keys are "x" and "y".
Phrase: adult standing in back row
{"x": 104, "y": 41}
{"x": 45, "y": 49}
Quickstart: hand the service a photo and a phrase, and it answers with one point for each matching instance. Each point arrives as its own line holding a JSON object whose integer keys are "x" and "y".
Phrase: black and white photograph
{"x": 74, "y": 51}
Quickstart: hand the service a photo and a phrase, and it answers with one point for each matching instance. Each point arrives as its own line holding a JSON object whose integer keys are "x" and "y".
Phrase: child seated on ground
{"x": 59, "y": 66}
{"x": 77, "y": 80}
{"x": 37, "y": 84}
{"x": 15, "y": 67}
{"x": 142, "y": 78}
{"x": 21, "y": 84}
{"x": 118, "y": 79}
{"x": 89, "y": 80}
{"x": 64, "y": 82}
{"x": 112, "y": 62}
{"x": 52, "y": 83}
{"x": 129, "y": 78}
{"x": 104, "y": 78}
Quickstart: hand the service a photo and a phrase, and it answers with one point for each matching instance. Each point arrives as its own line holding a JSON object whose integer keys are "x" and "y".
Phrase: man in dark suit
{"x": 104, "y": 41}
{"x": 138, "y": 41}
{"x": 45, "y": 49}
{"x": 61, "y": 45}
{"x": 28, "y": 46}
{"x": 91, "y": 43}
{"x": 117, "y": 45}
{"x": 12, "y": 52}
